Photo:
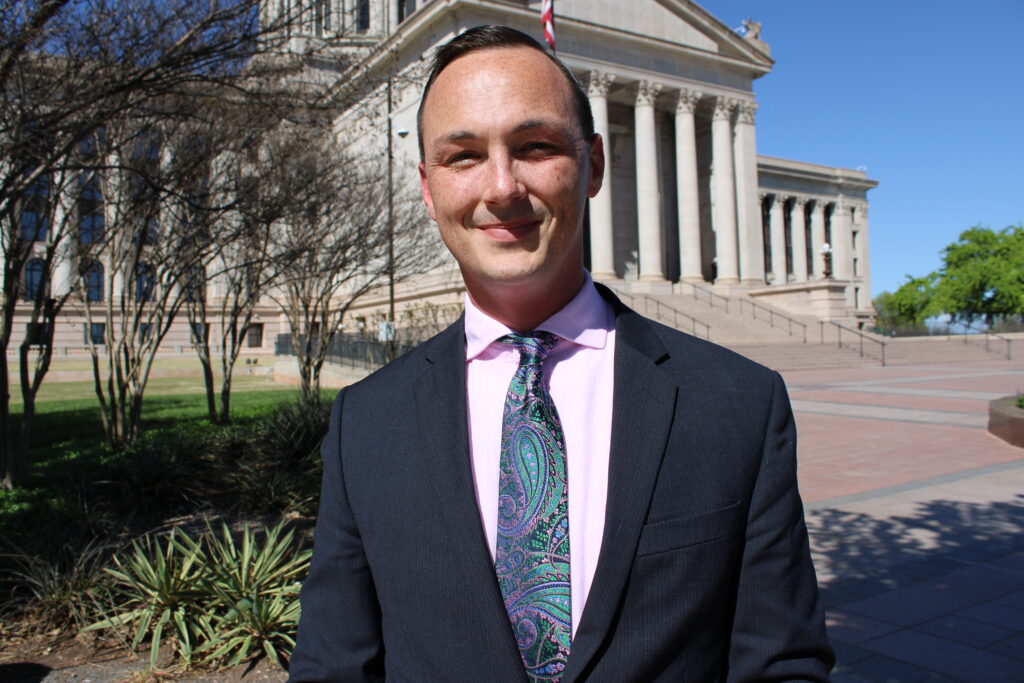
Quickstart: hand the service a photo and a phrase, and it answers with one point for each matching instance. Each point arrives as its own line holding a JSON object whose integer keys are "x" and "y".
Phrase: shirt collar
{"x": 585, "y": 320}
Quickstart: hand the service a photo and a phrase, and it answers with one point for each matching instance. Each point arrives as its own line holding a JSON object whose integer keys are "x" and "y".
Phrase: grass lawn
{"x": 71, "y": 463}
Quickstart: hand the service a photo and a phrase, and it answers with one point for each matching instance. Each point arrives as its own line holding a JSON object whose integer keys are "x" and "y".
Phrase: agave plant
{"x": 254, "y": 591}
{"x": 159, "y": 582}
{"x": 262, "y": 625}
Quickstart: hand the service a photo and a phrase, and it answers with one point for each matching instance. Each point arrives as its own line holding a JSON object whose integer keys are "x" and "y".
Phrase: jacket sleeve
{"x": 339, "y": 636}
{"x": 778, "y": 627}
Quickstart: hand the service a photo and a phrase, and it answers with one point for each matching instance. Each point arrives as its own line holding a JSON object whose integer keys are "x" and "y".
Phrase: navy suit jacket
{"x": 704, "y": 572}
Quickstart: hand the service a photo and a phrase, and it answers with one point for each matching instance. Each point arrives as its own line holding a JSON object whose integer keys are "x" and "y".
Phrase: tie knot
{"x": 533, "y": 347}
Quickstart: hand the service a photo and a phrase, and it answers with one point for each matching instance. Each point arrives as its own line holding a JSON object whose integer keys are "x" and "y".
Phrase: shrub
{"x": 274, "y": 466}
{"x": 229, "y": 600}
{"x": 67, "y": 590}
{"x": 158, "y": 584}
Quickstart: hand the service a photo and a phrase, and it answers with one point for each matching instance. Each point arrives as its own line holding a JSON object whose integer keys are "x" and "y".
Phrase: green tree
{"x": 908, "y": 306}
{"x": 982, "y": 276}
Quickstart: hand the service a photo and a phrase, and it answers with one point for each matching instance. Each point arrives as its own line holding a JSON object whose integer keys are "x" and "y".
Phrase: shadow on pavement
{"x": 23, "y": 672}
{"x": 933, "y": 595}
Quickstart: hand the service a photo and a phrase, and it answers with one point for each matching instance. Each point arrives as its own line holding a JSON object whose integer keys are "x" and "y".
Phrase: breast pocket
{"x": 670, "y": 534}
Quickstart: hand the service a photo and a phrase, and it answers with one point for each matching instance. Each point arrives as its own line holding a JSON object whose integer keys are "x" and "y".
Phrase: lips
{"x": 509, "y": 232}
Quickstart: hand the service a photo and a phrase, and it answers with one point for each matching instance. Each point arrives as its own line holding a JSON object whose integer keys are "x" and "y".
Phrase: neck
{"x": 523, "y": 307}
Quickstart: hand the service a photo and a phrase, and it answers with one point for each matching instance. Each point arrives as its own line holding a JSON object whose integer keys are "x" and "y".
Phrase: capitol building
{"x": 688, "y": 210}
{"x": 687, "y": 201}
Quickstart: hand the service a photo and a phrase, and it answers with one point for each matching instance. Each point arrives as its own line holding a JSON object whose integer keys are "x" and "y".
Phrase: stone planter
{"x": 1006, "y": 420}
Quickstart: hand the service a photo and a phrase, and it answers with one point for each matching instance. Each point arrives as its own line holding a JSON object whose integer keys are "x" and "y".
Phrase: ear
{"x": 425, "y": 188}
{"x": 596, "y": 153}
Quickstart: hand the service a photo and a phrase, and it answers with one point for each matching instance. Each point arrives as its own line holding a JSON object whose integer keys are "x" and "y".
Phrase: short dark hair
{"x": 488, "y": 37}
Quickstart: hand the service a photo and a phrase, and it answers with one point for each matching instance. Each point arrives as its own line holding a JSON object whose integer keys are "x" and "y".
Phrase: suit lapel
{"x": 644, "y": 405}
{"x": 440, "y": 394}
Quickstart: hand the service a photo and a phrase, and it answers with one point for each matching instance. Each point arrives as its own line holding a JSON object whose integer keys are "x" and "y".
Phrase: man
{"x": 554, "y": 488}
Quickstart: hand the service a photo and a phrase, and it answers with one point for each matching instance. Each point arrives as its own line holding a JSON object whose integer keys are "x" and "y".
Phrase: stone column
{"x": 723, "y": 183}
{"x": 648, "y": 202}
{"x": 862, "y": 254}
{"x": 798, "y": 227}
{"x": 64, "y": 280}
{"x": 818, "y": 238}
{"x": 602, "y": 249}
{"x": 686, "y": 186}
{"x": 842, "y": 241}
{"x": 748, "y": 209}
{"x": 777, "y": 235}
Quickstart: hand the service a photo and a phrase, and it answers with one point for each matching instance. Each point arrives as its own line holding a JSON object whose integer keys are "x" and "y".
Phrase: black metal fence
{"x": 353, "y": 350}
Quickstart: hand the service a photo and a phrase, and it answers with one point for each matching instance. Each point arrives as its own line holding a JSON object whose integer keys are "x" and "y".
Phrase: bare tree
{"x": 333, "y": 244}
{"x": 242, "y": 272}
{"x": 67, "y": 70}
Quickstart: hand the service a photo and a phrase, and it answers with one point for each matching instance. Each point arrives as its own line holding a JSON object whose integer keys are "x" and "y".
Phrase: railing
{"x": 645, "y": 304}
{"x": 352, "y": 351}
{"x": 857, "y": 334}
{"x": 970, "y": 335}
{"x": 713, "y": 299}
{"x": 786, "y": 321}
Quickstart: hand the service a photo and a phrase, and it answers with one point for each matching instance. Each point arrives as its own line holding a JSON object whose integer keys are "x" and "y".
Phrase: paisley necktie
{"x": 532, "y": 558}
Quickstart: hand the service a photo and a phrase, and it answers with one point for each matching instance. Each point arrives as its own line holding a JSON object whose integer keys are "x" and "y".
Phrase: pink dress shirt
{"x": 578, "y": 373}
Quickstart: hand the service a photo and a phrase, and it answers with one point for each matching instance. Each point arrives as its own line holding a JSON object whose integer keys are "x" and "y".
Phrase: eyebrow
{"x": 529, "y": 124}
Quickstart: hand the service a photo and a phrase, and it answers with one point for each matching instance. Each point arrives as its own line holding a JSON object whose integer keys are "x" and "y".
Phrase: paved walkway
{"x": 916, "y": 515}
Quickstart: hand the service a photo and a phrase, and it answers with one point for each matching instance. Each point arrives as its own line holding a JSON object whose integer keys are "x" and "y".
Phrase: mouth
{"x": 509, "y": 231}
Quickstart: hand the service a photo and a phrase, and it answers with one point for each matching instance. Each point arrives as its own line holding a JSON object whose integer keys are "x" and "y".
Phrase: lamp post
{"x": 826, "y": 253}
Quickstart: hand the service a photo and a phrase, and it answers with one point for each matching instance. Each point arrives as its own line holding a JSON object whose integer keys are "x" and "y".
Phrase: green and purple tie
{"x": 532, "y": 558}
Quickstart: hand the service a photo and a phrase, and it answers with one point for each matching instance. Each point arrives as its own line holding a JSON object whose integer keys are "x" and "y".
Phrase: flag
{"x": 547, "y": 18}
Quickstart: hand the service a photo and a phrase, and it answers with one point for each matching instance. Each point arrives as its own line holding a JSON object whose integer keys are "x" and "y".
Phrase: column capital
{"x": 745, "y": 111}
{"x": 800, "y": 201}
{"x": 688, "y": 100}
{"x": 598, "y": 83}
{"x": 647, "y": 92}
{"x": 779, "y": 199}
{"x": 723, "y": 108}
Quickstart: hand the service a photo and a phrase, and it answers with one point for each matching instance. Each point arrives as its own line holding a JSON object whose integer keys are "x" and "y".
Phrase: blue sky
{"x": 929, "y": 96}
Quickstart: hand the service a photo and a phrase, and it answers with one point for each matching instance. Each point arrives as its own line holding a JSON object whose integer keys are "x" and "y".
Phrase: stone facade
{"x": 686, "y": 200}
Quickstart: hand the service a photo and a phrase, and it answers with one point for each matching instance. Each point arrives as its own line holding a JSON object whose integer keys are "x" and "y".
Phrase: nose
{"x": 503, "y": 185}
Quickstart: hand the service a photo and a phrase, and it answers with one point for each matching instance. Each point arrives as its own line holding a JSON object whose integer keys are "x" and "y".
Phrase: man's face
{"x": 506, "y": 172}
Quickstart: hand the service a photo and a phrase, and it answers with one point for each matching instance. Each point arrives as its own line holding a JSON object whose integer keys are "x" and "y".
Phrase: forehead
{"x": 495, "y": 82}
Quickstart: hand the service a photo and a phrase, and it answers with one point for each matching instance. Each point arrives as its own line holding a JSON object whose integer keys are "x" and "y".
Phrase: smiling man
{"x": 554, "y": 488}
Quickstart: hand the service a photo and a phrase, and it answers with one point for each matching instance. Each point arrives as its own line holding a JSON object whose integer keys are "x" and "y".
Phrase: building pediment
{"x": 673, "y": 22}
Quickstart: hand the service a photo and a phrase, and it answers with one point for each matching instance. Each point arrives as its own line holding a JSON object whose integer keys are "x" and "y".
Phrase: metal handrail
{"x": 988, "y": 335}
{"x": 709, "y": 296}
{"x": 647, "y": 302}
{"x": 857, "y": 333}
{"x": 772, "y": 315}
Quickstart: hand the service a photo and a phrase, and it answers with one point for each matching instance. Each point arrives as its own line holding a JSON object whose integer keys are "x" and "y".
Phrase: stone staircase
{"x": 783, "y": 341}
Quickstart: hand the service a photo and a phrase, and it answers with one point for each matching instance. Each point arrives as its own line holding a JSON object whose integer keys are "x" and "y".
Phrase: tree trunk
{"x": 6, "y": 426}
{"x": 211, "y": 389}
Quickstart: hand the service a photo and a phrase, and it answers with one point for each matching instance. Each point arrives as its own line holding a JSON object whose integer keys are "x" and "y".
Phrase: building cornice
{"x": 815, "y": 173}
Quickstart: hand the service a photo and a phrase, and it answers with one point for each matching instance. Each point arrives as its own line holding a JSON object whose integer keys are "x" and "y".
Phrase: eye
{"x": 536, "y": 146}
{"x": 461, "y": 158}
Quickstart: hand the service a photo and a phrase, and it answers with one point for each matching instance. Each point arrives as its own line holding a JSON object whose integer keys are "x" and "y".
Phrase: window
{"x": 363, "y": 16}
{"x": 405, "y": 8}
{"x": 95, "y": 333}
{"x": 321, "y": 17}
{"x": 33, "y": 278}
{"x": 92, "y": 278}
{"x": 146, "y": 234}
{"x": 145, "y": 282}
{"x": 144, "y": 330}
{"x": 34, "y": 217}
{"x": 90, "y": 211}
{"x": 199, "y": 332}
{"x": 254, "y": 336}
